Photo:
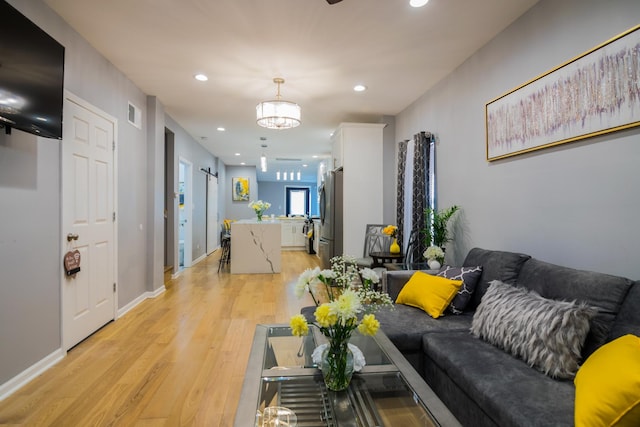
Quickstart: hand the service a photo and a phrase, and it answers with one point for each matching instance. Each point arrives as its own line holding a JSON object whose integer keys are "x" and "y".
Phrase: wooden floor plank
{"x": 174, "y": 360}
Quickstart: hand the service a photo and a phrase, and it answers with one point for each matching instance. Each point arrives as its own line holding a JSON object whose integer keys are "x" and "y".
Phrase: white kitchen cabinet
{"x": 358, "y": 149}
{"x": 292, "y": 236}
{"x": 287, "y": 233}
{"x": 337, "y": 148}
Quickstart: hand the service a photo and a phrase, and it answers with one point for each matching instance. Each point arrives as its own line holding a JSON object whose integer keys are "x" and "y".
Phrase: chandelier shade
{"x": 277, "y": 113}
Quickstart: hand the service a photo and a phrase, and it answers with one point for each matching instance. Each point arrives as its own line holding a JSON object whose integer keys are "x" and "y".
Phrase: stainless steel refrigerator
{"x": 330, "y": 243}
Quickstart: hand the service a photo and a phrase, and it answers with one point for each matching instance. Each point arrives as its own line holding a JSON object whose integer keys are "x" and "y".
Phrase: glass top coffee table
{"x": 386, "y": 392}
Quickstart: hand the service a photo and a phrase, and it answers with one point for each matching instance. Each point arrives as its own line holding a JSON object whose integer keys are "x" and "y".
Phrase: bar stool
{"x": 225, "y": 243}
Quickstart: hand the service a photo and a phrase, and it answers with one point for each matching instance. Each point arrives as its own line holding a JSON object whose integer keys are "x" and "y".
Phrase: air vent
{"x": 134, "y": 116}
{"x": 286, "y": 159}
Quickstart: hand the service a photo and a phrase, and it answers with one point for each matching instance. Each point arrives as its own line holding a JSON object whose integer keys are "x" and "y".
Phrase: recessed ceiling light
{"x": 242, "y": 163}
{"x": 221, "y": 129}
{"x": 314, "y": 156}
{"x": 418, "y": 3}
{"x": 201, "y": 77}
{"x": 359, "y": 88}
{"x": 237, "y": 154}
{"x": 304, "y": 166}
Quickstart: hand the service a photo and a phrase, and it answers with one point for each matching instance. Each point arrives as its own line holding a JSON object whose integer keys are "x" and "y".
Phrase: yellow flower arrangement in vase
{"x": 392, "y": 230}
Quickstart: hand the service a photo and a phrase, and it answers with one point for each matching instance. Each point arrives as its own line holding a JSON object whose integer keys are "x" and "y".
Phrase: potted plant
{"x": 436, "y": 232}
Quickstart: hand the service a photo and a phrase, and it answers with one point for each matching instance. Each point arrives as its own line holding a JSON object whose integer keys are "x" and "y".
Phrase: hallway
{"x": 175, "y": 360}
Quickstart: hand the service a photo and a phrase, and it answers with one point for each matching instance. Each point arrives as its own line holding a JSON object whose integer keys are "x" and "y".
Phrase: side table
{"x": 380, "y": 258}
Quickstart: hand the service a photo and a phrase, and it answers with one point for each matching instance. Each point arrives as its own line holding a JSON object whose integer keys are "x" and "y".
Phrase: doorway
{"x": 185, "y": 211}
{"x": 169, "y": 204}
{"x": 213, "y": 229}
{"x": 88, "y": 219}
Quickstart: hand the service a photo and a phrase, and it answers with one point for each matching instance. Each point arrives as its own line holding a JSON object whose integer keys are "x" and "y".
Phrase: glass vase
{"x": 337, "y": 366}
{"x": 259, "y": 215}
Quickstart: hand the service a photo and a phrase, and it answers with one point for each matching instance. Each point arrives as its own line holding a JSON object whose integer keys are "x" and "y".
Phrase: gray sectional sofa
{"x": 483, "y": 385}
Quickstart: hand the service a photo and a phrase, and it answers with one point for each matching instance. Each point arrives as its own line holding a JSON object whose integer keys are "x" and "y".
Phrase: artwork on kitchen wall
{"x": 595, "y": 93}
{"x": 240, "y": 189}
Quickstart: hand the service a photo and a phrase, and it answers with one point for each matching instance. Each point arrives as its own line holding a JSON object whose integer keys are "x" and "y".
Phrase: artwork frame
{"x": 595, "y": 93}
{"x": 240, "y": 189}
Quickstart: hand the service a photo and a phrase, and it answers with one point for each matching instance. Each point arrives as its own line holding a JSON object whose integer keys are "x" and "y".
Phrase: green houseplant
{"x": 436, "y": 232}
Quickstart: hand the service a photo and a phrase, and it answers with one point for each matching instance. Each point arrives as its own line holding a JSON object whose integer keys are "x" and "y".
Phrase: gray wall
{"x": 30, "y": 190}
{"x": 389, "y": 170}
{"x": 199, "y": 157}
{"x": 575, "y": 204}
{"x": 33, "y": 304}
{"x": 30, "y": 251}
{"x": 274, "y": 192}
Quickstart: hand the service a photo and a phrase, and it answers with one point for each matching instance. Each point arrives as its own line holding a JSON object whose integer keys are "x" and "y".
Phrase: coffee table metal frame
{"x": 255, "y": 373}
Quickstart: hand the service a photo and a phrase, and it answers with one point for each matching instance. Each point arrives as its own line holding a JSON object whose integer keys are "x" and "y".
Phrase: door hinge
{"x": 113, "y": 145}
{"x": 114, "y": 216}
{"x": 114, "y": 288}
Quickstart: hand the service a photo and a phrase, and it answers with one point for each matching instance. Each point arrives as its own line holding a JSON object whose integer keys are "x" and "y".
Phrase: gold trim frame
{"x": 595, "y": 93}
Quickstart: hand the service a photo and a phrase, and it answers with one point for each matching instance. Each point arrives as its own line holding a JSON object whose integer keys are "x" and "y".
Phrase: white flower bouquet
{"x": 259, "y": 207}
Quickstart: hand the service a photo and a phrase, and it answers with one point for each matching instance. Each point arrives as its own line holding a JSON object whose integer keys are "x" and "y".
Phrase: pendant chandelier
{"x": 278, "y": 114}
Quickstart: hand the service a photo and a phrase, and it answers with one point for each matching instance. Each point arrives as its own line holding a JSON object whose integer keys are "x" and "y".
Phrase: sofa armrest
{"x": 393, "y": 281}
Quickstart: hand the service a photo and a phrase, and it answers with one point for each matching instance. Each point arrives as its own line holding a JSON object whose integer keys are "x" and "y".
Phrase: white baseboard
{"x": 15, "y": 383}
{"x": 149, "y": 294}
{"x": 197, "y": 260}
{"x": 38, "y": 368}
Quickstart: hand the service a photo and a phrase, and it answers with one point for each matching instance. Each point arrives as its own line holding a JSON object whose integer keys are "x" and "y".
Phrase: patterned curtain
{"x": 415, "y": 183}
{"x": 402, "y": 163}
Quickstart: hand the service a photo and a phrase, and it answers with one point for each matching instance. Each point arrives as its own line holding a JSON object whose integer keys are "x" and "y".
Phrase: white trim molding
{"x": 15, "y": 383}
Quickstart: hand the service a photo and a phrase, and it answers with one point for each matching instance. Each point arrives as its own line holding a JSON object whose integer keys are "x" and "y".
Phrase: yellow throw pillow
{"x": 608, "y": 385}
{"x": 432, "y": 294}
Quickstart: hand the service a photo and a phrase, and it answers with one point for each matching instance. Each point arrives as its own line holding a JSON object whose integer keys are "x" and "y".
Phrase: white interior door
{"x": 213, "y": 229}
{"x": 88, "y": 215}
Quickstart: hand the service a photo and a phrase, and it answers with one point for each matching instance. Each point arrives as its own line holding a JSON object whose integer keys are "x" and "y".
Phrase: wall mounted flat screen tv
{"x": 31, "y": 76}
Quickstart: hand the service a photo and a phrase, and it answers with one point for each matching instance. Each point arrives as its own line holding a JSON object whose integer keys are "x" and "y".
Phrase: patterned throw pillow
{"x": 547, "y": 334}
{"x": 469, "y": 277}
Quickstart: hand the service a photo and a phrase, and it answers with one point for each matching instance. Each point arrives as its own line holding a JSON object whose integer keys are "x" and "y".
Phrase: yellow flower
{"x": 324, "y": 317}
{"x": 299, "y": 325}
{"x": 390, "y": 230}
{"x": 369, "y": 325}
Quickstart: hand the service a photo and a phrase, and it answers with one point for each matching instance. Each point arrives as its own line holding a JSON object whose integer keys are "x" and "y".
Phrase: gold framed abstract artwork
{"x": 595, "y": 93}
{"x": 240, "y": 189}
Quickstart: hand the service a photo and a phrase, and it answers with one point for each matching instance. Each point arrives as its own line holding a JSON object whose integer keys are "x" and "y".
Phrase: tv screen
{"x": 31, "y": 76}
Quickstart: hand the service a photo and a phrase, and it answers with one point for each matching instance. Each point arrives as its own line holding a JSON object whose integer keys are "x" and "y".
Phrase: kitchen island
{"x": 256, "y": 246}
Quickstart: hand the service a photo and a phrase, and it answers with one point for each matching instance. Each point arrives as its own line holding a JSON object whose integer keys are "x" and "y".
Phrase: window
{"x": 297, "y": 201}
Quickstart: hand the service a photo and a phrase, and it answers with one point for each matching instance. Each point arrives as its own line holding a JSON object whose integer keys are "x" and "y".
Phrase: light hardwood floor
{"x": 176, "y": 360}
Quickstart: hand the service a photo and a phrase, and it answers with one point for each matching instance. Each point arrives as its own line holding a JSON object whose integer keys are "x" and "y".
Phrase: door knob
{"x": 71, "y": 237}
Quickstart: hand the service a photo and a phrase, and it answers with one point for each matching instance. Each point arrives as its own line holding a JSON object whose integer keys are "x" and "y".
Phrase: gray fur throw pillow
{"x": 547, "y": 334}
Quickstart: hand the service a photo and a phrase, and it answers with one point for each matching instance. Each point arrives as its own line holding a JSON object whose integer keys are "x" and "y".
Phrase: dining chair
{"x": 374, "y": 241}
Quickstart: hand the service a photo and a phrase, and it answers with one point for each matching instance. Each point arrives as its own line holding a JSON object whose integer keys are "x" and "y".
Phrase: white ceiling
{"x": 320, "y": 50}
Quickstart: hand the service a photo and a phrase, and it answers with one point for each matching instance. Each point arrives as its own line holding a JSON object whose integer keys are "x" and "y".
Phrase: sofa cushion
{"x": 432, "y": 294}
{"x": 405, "y": 325}
{"x": 469, "y": 277}
{"x": 496, "y": 265}
{"x": 507, "y": 390}
{"x": 603, "y": 291}
{"x": 608, "y": 385}
{"x": 545, "y": 333}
